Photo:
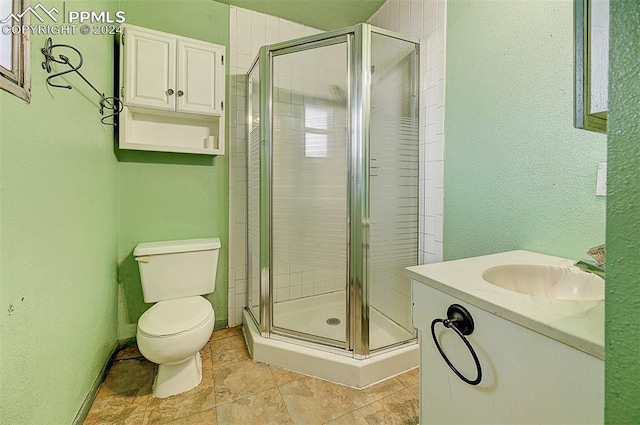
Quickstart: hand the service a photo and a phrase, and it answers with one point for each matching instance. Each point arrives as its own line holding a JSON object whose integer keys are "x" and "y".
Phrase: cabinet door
{"x": 200, "y": 78}
{"x": 149, "y": 74}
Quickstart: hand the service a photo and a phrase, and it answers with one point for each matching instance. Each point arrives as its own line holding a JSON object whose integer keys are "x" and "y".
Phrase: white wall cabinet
{"x": 197, "y": 92}
{"x": 173, "y": 89}
{"x": 149, "y": 69}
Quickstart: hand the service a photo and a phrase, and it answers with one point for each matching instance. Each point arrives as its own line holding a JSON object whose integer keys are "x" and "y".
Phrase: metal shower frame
{"x": 358, "y": 42}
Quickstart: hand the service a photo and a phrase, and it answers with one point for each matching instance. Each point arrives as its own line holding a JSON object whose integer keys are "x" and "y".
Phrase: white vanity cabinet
{"x": 173, "y": 89}
{"x": 541, "y": 362}
{"x": 527, "y": 378}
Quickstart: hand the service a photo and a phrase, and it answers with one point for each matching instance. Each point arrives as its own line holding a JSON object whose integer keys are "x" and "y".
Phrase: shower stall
{"x": 333, "y": 204}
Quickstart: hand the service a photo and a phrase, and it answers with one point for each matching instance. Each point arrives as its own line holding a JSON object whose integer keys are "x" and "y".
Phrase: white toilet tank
{"x": 177, "y": 269}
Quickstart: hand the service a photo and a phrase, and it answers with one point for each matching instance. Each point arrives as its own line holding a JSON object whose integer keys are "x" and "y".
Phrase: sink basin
{"x": 558, "y": 283}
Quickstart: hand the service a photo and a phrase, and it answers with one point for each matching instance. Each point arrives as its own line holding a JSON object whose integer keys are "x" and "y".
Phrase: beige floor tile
{"x": 165, "y": 410}
{"x": 226, "y": 333}
{"x": 410, "y": 378}
{"x": 127, "y": 408}
{"x": 228, "y": 350}
{"x": 239, "y": 380}
{"x": 283, "y": 376}
{"x": 352, "y": 418}
{"x": 415, "y": 389}
{"x": 373, "y": 393}
{"x": 206, "y": 356}
{"x": 237, "y": 390}
{"x": 208, "y": 417}
{"x": 313, "y": 401}
{"x": 398, "y": 408}
{"x": 127, "y": 375}
{"x": 263, "y": 408}
{"x": 128, "y": 353}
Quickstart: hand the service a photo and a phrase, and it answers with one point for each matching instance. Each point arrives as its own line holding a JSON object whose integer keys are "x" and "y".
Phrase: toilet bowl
{"x": 171, "y": 334}
{"x": 174, "y": 275}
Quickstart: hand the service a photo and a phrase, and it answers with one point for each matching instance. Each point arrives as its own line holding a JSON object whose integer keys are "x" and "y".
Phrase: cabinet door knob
{"x": 170, "y": 92}
{"x": 180, "y": 93}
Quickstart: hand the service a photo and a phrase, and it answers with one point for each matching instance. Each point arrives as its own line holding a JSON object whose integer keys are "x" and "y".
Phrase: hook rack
{"x": 106, "y": 102}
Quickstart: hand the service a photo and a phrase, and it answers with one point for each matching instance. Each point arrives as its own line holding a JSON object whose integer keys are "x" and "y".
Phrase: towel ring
{"x": 459, "y": 319}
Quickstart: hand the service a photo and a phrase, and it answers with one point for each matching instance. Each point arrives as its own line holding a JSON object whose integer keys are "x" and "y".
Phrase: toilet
{"x": 174, "y": 276}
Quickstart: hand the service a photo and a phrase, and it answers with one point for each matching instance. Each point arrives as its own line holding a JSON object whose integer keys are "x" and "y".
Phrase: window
{"x": 14, "y": 49}
{"x": 316, "y": 123}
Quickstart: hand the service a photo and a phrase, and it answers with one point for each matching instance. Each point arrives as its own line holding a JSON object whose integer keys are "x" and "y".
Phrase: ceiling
{"x": 321, "y": 14}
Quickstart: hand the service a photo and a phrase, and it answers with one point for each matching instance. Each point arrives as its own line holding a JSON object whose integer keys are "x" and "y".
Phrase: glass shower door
{"x": 253, "y": 194}
{"x": 309, "y": 199}
{"x": 394, "y": 164}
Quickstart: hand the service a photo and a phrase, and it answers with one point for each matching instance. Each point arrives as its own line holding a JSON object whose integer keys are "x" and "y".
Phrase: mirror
{"x": 591, "y": 26}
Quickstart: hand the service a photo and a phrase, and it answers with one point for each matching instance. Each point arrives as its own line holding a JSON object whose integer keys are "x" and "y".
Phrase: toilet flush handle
{"x": 144, "y": 259}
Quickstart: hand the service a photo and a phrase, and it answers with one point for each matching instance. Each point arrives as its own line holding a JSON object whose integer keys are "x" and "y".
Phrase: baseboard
{"x": 127, "y": 342}
{"x": 88, "y": 400}
{"x": 220, "y": 324}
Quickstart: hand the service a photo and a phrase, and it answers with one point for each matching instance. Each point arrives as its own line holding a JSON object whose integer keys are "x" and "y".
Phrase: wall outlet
{"x": 601, "y": 180}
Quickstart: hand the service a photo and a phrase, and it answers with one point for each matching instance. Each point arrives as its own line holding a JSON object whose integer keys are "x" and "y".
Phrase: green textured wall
{"x": 58, "y": 238}
{"x": 622, "y": 330}
{"x": 166, "y": 196}
{"x": 517, "y": 173}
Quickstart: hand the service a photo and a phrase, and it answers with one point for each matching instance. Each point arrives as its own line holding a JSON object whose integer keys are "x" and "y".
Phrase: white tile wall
{"x": 248, "y": 32}
{"x": 425, "y": 19}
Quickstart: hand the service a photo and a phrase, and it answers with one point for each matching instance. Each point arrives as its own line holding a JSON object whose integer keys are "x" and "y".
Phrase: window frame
{"x": 18, "y": 81}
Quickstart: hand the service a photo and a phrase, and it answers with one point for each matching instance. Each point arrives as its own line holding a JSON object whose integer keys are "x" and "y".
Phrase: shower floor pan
{"x": 310, "y": 315}
{"x": 316, "y": 316}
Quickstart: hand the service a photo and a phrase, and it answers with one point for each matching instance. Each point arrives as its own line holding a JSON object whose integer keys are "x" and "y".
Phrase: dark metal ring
{"x": 452, "y": 325}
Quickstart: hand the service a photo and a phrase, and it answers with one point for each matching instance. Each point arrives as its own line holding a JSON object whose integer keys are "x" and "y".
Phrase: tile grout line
{"x": 280, "y": 392}
{"x": 213, "y": 381}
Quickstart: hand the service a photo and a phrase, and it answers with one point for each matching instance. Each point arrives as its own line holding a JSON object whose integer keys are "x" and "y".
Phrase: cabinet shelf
{"x": 155, "y": 130}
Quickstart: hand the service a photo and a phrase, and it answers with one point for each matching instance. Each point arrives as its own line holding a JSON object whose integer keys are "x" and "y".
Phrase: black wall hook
{"x": 109, "y": 103}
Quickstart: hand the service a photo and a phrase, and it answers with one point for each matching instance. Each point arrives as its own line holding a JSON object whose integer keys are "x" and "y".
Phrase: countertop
{"x": 579, "y": 324}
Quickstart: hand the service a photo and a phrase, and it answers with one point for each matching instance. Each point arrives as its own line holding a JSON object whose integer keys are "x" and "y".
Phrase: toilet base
{"x": 177, "y": 378}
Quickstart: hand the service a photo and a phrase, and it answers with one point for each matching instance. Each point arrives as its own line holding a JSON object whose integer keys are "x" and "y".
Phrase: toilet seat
{"x": 174, "y": 317}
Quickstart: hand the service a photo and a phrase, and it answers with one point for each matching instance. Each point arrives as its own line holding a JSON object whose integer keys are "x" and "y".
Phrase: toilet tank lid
{"x": 172, "y": 247}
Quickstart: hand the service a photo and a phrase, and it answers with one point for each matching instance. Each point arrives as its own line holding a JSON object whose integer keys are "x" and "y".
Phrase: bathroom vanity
{"x": 538, "y": 336}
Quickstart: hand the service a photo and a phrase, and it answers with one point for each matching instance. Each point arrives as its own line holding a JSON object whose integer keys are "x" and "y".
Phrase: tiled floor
{"x": 236, "y": 390}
